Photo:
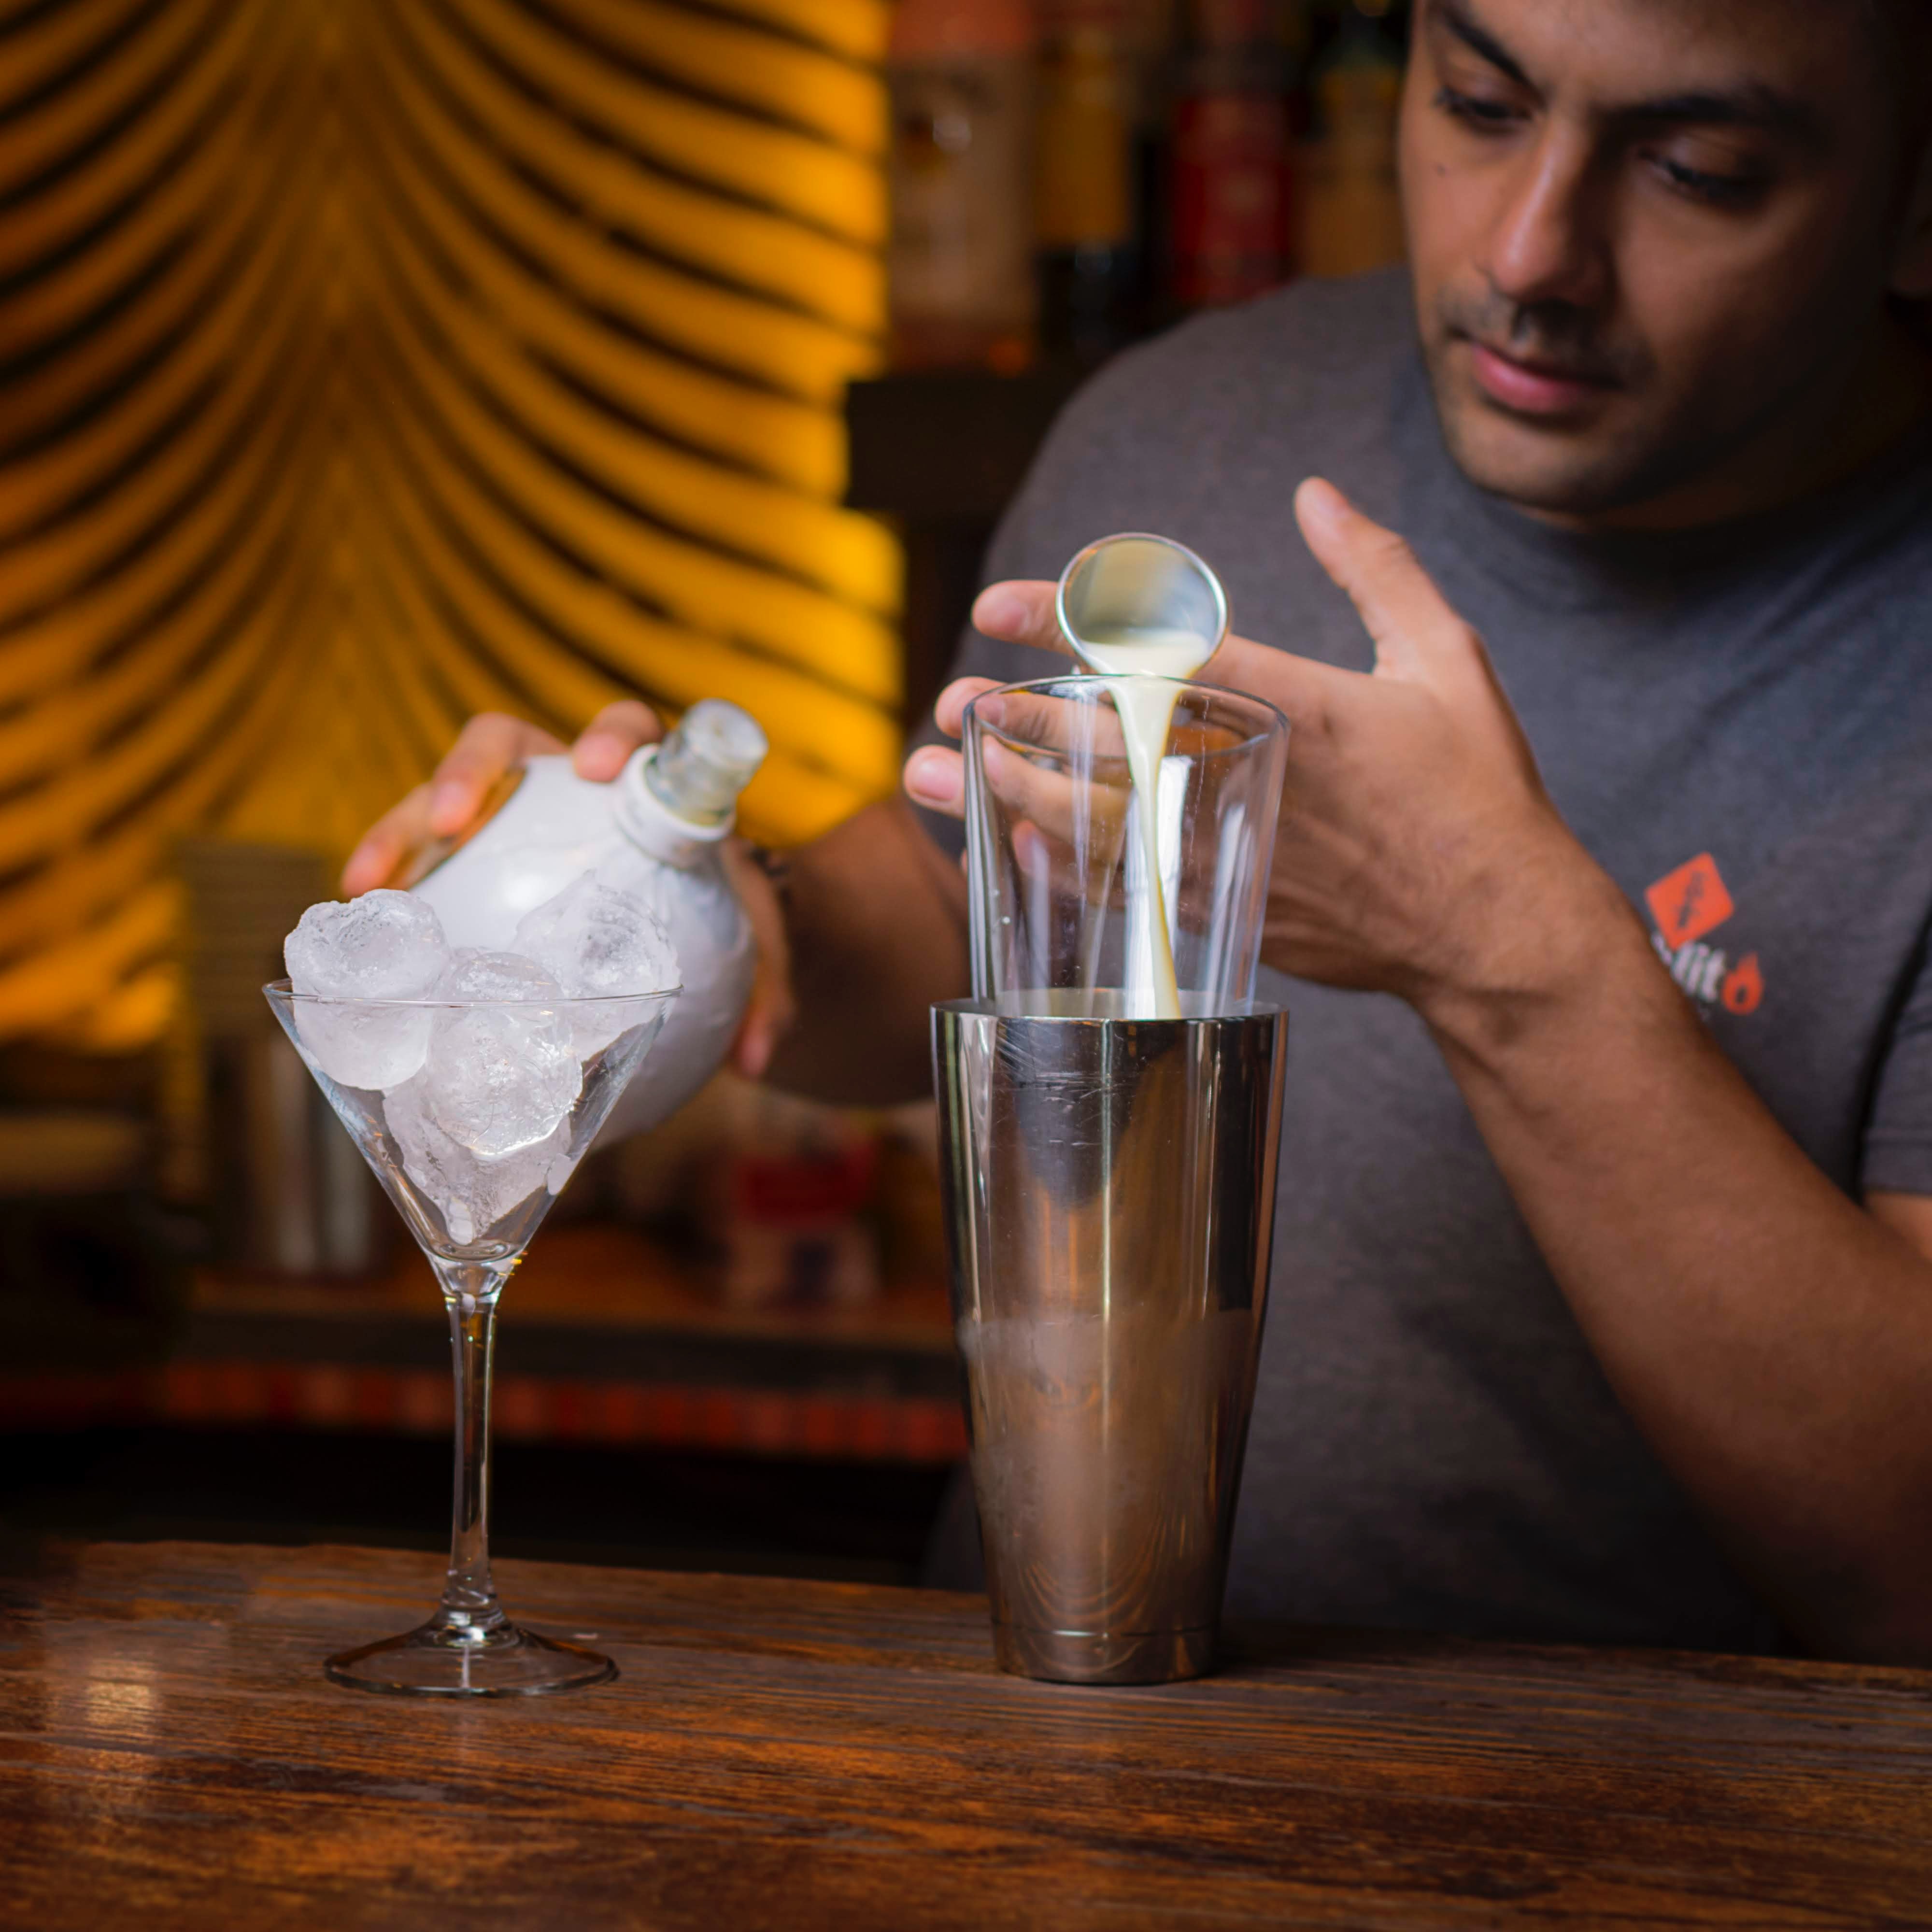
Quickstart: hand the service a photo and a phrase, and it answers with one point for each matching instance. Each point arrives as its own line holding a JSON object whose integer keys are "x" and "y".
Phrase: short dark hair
{"x": 1906, "y": 27}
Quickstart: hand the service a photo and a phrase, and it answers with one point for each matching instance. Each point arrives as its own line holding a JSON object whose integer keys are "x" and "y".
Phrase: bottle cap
{"x": 700, "y": 768}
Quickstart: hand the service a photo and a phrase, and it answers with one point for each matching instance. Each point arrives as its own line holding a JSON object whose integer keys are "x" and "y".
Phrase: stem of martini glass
{"x": 470, "y": 1290}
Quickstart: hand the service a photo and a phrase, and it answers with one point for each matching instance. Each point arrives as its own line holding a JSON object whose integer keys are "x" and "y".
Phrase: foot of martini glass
{"x": 430, "y": 1662}
{"x": 472, "y": 1215}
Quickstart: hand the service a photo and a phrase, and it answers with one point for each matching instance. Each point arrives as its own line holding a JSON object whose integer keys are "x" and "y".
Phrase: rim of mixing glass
{"x": 1273, "y": 719}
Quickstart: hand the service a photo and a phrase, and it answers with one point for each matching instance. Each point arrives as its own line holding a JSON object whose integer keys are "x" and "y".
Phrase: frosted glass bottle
{"x": 656, "y": 831}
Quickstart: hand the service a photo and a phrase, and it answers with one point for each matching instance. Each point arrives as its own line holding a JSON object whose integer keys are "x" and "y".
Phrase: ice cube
{"x": 499, "y": 1077}
{"x": 470, "y": 1193}
{"x": 597, "y": 942}
{"x": 383, "y": 945}
{"x": 373, "y": 1047}
{"x": 476, "y": 975}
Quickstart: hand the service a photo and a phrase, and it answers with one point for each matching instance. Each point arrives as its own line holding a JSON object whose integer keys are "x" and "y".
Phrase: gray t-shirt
{"x": 1737, "y": 724}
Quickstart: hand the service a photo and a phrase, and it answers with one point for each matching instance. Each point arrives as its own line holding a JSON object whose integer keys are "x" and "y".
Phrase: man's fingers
{"x": 935, "y": 774}
{"x": 487, "y": 746}
{"x": 607, "y": 741}
{"x": 1035, "y": 717}
{"x": 1073, "y": 811}
{"x": 935, "y": 778}
{"x": 1416, "y": 634}
{"x": 485, "y": 749}
{"x": 1022, "y": 613}
{"x": 949, "y": 710}
{"x": 402, "y": 826}
{"x": 1018, "y": 612}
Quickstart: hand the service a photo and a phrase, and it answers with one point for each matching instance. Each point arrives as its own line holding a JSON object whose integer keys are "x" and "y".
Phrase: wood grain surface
{"x": 778, "y": 1754}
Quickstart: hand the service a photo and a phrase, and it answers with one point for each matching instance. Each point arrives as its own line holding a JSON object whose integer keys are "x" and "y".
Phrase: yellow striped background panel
{"x": 365, "y": 364}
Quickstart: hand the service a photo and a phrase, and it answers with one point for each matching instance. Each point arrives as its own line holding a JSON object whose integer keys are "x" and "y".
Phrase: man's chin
{"x": 1560, "y": 471}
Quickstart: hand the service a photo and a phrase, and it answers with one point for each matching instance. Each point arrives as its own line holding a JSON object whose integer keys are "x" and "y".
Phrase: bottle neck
{"x": 679, "y": 798}
{"x": 654, "y": 826}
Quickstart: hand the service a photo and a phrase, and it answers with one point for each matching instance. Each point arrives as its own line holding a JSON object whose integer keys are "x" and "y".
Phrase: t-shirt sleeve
{"x": 1896, "y": 1155}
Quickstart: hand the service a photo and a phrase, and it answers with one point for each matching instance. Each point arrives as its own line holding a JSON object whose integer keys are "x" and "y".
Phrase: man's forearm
{"x": 876, "y": 919}
{"x": 1771, "y": 1339}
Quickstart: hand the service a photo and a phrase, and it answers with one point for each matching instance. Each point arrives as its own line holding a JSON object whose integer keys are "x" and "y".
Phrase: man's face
{"x": 1642, "y": 233}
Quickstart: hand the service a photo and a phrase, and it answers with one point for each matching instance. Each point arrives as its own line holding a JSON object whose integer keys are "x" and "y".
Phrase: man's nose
{"x": 1548, "y": 243}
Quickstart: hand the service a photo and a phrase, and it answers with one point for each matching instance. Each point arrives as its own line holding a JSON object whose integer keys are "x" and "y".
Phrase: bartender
{"x": 1603, "y": 1305}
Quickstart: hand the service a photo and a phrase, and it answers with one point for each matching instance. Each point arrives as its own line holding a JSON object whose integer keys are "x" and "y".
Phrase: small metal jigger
{"x": 1110, "y": 1191}
{"x": 1137, "y": 582}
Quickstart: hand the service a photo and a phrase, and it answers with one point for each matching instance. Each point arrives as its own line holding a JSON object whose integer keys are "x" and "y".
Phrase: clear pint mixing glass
{"x": 1075, "y": 909}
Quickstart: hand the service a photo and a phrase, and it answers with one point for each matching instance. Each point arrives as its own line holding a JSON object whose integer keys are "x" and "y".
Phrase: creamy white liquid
{"x": 1136, "y": 664}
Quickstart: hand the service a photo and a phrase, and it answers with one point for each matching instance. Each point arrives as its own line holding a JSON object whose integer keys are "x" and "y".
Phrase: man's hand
{"x": 1771, "y": 1338}
{"x": 487, "y": 747}
{"x": 1415, "y": 828}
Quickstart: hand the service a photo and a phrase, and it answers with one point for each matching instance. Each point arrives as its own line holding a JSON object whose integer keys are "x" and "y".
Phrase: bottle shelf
{"x": 607, "y": 1340}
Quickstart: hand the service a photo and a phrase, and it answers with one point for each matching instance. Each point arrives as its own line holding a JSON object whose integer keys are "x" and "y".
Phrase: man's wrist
{"x": 1572, "y": 951}
{"x": 776, "y": 867}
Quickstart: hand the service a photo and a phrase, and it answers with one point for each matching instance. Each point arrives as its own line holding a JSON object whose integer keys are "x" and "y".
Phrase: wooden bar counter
{"x": 784, "y": 1754}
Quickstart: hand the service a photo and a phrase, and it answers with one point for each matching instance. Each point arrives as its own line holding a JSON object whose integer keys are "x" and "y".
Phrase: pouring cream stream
{"x": 1144, "y": 611}
{"x": 1139, "y": 665}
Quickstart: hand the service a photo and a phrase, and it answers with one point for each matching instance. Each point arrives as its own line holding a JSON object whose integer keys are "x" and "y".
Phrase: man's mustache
{"x": 1554, "y": 337}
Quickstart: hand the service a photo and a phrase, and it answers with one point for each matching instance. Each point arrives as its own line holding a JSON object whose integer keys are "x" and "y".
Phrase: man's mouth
{"x": 1535, "y": 385}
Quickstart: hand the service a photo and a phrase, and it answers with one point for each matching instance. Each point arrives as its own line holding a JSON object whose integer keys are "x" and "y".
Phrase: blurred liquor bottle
{"x": 791, "y": 1212}
{"x": 782, "y": 1201}
{"x": 1350, "y": 203}
{"x": 959, "y": 263}
{"x": 1087, "y": 197}
{"x": 1233, "y": 210}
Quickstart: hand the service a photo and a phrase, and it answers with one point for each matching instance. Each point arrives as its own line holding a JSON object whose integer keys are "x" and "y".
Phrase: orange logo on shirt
{"x": 1690, "y": 902}
{"x": 1743, "y": 986}
{"x": 1687, "y": 905}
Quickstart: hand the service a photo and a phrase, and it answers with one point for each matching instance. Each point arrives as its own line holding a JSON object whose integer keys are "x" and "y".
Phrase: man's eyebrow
{"x": 1751, "y": 104}
{"x": 1457, "y": 17}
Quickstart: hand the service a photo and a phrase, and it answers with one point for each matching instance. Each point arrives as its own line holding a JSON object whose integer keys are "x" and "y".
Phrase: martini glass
{"x": 473, "y": 1217}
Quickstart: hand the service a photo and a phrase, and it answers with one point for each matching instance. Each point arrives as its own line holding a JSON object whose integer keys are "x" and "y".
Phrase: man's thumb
{"x": 1417, "y": 637}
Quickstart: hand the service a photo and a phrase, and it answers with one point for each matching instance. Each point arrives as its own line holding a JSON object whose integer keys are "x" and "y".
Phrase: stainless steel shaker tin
{"x": 1110, "y": 1189}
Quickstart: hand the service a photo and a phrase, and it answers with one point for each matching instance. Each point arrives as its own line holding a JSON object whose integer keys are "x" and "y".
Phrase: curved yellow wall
{"x": 366, "y": 363}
